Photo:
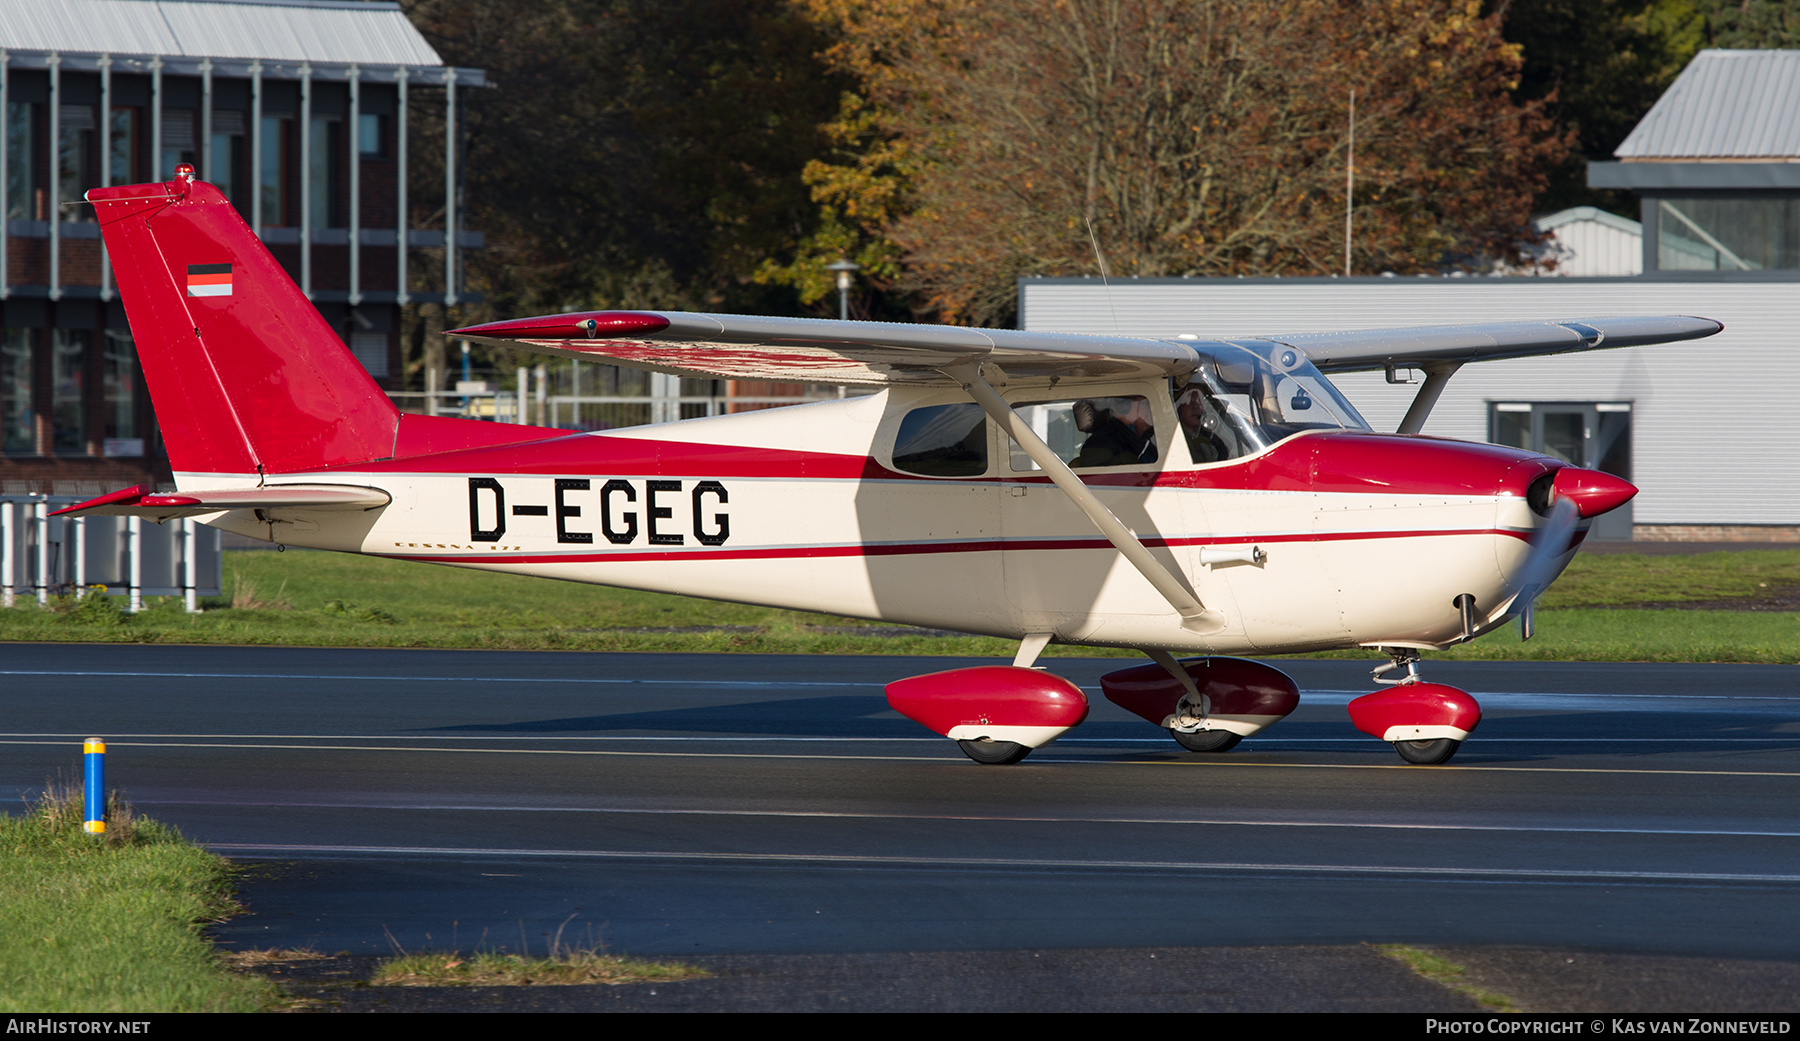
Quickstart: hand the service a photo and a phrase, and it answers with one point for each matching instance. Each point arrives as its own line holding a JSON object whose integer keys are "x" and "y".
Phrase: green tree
{"x": 1751, "y": 24}
{"x": 1598, "y": 66}
{"x": 635, "y": 153}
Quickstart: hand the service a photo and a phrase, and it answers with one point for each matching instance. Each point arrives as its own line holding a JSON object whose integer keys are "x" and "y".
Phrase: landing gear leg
{"x": 1188, "y": 723}
{"x": 1398, "y": 658}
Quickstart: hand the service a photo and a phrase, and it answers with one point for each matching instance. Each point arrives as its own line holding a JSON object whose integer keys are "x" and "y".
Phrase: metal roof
{"x": 349, "y": 32}
{"x": 1725, "y": 105}
{"x": 1577, "y": 214}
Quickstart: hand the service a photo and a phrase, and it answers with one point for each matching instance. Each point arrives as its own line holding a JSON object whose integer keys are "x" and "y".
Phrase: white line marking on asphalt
{"x": 1022, "y": 862}
{"x": 974, "y": 818}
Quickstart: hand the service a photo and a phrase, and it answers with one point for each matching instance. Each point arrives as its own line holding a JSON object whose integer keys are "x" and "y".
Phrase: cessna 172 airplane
{"x": 1178, "y": 495}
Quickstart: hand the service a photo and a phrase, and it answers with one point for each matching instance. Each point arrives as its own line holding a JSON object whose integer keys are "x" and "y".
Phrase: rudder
{"x": 246, "y": 377}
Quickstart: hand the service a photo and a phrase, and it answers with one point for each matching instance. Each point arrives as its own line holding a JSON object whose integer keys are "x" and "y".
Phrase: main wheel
{"x": 1206, "y": 740}
{"x": 994, "y": 753}
{"x": 1428, "y": 753}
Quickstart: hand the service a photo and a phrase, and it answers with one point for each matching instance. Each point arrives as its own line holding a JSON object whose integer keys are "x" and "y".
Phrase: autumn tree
{"x": 993, "y": 139}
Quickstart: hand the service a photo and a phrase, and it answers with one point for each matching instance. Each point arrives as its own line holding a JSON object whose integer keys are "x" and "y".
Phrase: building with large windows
{"x": 327, "y": 123}
{"x": 1716, "y": 167}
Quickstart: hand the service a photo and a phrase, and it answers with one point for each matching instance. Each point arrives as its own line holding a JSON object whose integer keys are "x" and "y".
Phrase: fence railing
{"x": 43, "y": 556}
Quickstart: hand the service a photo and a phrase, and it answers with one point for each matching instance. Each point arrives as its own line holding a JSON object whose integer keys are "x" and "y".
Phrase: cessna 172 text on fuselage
{"x": 1183, "y": 496}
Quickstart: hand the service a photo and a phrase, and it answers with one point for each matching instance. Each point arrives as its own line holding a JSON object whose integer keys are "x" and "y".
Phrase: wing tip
{"x": 578, "y": 325}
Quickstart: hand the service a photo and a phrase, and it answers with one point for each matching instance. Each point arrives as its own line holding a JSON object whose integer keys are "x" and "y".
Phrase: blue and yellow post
{"x": 93, "y": 756}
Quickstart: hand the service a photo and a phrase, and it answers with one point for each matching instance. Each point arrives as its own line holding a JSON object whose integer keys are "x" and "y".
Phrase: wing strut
{"x": 1195, "y": 618}
{"x": 1436, "y": 376}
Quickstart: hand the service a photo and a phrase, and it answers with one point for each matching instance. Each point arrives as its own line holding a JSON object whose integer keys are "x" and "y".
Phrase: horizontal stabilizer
{"x": 139, "y": 501}
{"x": 809, "y": 350}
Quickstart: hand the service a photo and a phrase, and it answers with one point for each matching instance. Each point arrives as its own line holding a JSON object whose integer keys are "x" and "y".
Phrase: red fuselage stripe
{"x": 904, "y": 548}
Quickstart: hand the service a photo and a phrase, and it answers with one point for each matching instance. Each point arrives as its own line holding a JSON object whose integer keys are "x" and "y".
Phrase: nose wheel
{"x": 1428, "y": 753}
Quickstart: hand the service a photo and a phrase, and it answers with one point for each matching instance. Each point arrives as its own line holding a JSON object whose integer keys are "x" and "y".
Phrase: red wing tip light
{"x": 1593, "y": 492}
{"x": 587, "y": 325}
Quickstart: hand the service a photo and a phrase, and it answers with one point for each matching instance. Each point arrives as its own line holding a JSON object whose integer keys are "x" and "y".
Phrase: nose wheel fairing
{"x": 1425, "y": 722}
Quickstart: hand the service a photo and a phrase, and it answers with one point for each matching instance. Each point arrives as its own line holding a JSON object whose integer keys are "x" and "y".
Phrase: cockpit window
{"x": 1091, "y": 432}
{"x": 943, "y": 441}
{"x": 1247, "y": 396}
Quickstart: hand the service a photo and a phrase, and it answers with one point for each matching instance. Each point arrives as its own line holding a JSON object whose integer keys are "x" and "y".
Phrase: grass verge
{"x": 111, "y": 924}
{"x": 1593, "y": 613}
{"x": 1447, "y": 974}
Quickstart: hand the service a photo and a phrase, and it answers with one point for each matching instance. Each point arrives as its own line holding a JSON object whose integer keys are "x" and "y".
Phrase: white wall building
{"x": 1590, "y": 243}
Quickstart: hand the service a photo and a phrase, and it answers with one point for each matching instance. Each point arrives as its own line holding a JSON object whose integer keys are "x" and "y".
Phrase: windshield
{"x": 1247, "y": 396}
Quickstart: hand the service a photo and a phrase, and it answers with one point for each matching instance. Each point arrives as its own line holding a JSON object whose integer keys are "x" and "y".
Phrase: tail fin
{"x": 245, "y": 375}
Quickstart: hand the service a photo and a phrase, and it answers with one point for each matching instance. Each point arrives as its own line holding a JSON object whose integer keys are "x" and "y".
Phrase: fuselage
{"x": 1364, "y": 539}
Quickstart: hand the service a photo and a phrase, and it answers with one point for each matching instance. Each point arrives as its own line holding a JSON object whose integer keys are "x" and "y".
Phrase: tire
{"x": 1428, "y": 753}
{"x": 1206, "y": 740}
{"x": 994, "y": 753}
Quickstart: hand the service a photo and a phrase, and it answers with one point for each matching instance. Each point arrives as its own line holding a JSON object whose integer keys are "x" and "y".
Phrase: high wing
{"x": 139, "y": 501}
{"x": 1431, "y": 346}
{"x": 812, "y": 350}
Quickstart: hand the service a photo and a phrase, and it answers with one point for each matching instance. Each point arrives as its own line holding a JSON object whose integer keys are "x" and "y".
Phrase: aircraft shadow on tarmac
{"x": 865, "y": 717}
{"x": 845, "y": 716}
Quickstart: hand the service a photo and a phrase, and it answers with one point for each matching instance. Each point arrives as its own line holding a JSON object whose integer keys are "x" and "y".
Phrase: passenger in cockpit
{"x": 1115, "y": 439}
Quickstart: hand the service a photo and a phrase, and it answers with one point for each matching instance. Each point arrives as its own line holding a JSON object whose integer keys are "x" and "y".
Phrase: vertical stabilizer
{"x": 245, "y": 375}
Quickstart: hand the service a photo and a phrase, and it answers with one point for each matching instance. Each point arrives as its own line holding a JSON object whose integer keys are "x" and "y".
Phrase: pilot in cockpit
{"x": 1209, "y": 437}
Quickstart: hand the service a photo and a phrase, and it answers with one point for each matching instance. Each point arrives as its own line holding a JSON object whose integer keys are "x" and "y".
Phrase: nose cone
{"x": 1593, "y": 492}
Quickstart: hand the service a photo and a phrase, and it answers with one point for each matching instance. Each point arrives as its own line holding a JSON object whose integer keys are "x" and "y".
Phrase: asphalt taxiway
{"x": 700, "y": 805}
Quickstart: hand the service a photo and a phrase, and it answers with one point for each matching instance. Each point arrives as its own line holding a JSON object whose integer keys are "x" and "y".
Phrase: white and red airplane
{"x": 1178, "y": 495}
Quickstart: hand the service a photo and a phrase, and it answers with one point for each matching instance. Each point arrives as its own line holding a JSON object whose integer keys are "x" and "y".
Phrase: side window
{"x": 1211, "y": 438}
{"x": 1091, "y": 432}
{"x": 943, "y": 441}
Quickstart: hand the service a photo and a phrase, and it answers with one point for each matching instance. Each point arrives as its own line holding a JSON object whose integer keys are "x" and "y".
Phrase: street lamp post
{"x": 844, "y": 268}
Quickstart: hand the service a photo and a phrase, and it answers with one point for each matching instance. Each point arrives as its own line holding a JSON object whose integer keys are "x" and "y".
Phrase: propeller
{"x": 1547, "y": 547}
{"x": 1564, "y": 500}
